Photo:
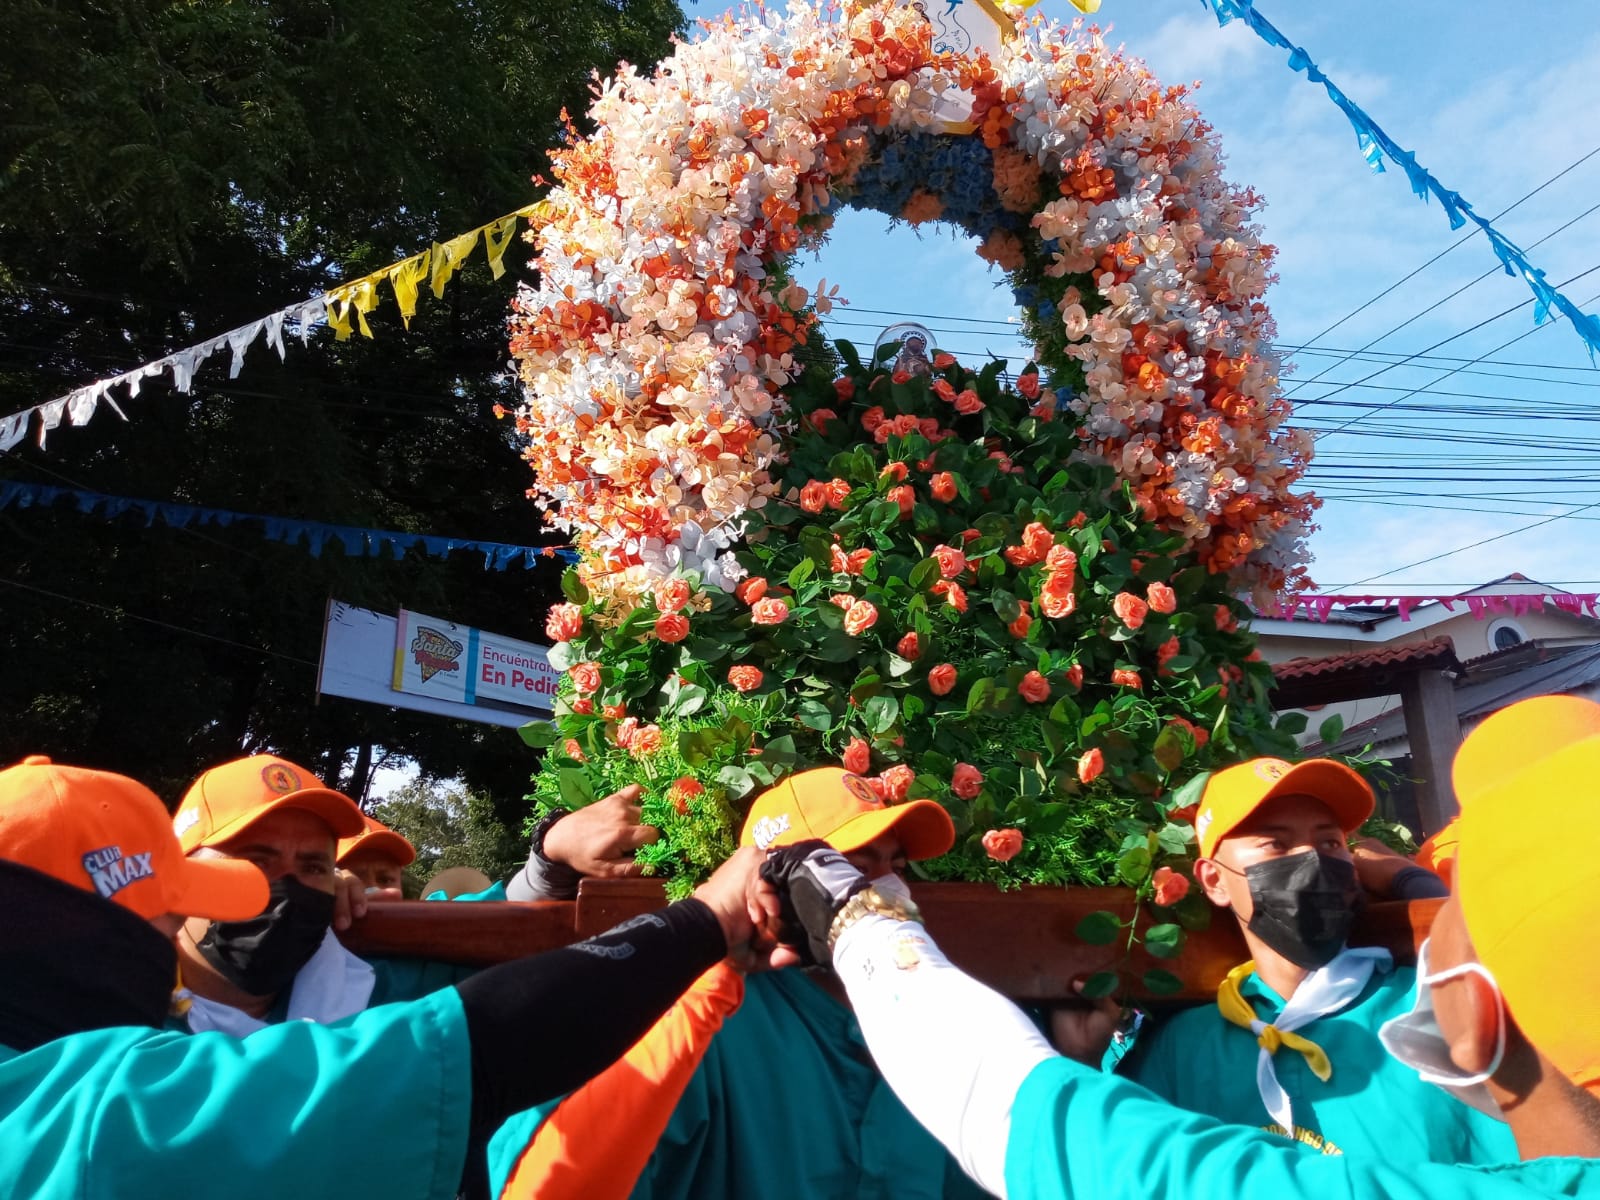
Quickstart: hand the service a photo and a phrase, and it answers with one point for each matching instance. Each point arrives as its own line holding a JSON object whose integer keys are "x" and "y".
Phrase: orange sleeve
{"x": 597, "y": 1141}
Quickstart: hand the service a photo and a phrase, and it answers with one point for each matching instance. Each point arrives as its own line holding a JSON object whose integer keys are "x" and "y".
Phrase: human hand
{"x": 1377, "y": 865}
{"x": 1082, "y": 1029}
{"x": 812, "y": 881}
{"x": 746, "y": 906}
{"x": 599, "y": 839}
{"x": 377, "y": 895}
{"x": 349, "y": 898}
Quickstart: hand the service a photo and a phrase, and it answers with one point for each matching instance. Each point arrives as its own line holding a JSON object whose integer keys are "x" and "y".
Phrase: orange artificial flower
{"x": 1034, "y": 688}
{"x": 1075, "y": 676}
{"x": 1130, "y": 609}
{"x": 564, "y": 623}
{"x": 942, "y": 679}
{"x": 672, "y": 594}
{"x": 857, "y": 757}
{"x": 897, "y": 782}
{"x": 769, "y": 611}
{"x": 1091, "y": 765}
{"x": 1019, "y": 628}
{"x": 904, "y": 497}
{"x": 672, "y": 627}
{"x": 1162, "y": 598}
{"x": 814, "y": 496}
{"x": 585, "y": 677}
{"x": 1170, "y": 886}
{"x": 1124, "y": 678}
{"x": 744, "y": 677}
{"x": 943, "y": 487}
{"x": 1002, "y": 845}
{"x": 909, "y": 647}
{"x": 860, "y": 617}
{"x": 952, "y": 562}
{"x": 966, "y": 781}
{"x": 751, "y": 589}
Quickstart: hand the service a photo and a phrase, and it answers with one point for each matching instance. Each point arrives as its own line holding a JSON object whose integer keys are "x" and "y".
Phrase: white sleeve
{"x": 953, "y": 1050}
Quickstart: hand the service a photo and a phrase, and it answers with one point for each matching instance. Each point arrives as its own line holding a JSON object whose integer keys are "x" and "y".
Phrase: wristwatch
{"x": 870, "y": 902}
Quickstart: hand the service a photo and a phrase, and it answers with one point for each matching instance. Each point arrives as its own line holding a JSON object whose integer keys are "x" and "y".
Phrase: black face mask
{"x": 1304, "y": 905}
{"x": 262, "y": 955}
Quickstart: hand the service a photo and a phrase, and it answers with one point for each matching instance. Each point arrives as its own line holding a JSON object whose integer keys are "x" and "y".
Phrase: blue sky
{"x": 1495, "y": 100}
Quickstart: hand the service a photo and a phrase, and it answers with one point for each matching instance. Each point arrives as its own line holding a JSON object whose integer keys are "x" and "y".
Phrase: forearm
{"x": 596, "y": 1143}
{"x": 541, "y": 878}
{"x": 953, "y": 1050}
{"x": 598, "y": 997}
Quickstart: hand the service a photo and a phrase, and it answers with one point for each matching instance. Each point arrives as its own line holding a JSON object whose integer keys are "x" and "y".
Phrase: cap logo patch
{"x": 1271, "y": 769}
{"x": 768, "y": 829}
{"x": 185, "y": 821}
{"x": 861, "y": 790}
{"x": 280, "y": 779}
{"x": 110, "y": 870}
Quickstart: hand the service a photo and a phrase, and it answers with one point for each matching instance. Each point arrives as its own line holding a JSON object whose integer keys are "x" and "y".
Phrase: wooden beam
{"x": 1428, "y": 701}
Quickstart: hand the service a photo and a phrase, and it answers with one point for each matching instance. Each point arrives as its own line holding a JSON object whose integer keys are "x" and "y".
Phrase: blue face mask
{"x": 1416, "y": 1039}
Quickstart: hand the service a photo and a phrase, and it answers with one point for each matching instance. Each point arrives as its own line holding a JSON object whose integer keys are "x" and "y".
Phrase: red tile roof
{"x": 1375, "y": 672}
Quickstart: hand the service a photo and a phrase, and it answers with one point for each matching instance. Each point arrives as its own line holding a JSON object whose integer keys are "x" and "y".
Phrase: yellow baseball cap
{"x": 842, "y": 810}
{"x": 1234, "y": 793}
{"x": 1527, "y": 873}
{"x": 227, "y": 800}
{"x": 1438, "y": 853}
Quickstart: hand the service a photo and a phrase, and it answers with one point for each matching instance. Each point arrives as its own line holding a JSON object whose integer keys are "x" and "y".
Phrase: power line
{"x": 119, "y": 612}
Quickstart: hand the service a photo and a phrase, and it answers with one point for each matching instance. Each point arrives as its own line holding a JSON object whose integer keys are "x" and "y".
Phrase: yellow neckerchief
{"x": 1234, "y": 1007}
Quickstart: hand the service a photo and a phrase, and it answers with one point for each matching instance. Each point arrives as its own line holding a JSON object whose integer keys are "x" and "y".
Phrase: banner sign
{"x": 359, "y": 662}
{"x": 438, "y": 658}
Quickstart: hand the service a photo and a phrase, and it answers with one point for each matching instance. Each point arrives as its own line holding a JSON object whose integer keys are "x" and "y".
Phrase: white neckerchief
{"x": 1326, "y": 990}
{"x": 333, "y": 984}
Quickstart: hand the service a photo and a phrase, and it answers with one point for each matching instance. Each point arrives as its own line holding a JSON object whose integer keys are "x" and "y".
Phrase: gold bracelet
{"x": 870, "y": 902}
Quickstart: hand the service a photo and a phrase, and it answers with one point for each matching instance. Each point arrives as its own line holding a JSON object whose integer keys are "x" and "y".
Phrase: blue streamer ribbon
{"x": 1376, "y": 145}
{"x": 356, "y": 542}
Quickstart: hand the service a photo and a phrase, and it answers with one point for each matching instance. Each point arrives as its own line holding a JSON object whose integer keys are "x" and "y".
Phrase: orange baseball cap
{"x": 227, "y": 800}
{"x": 380, "y": 839}
{"x": 1234, "y": 793}
{"x": 1526, "y": 870}
{"x": 842, "y": 810}
{"x": 106, "y": 834}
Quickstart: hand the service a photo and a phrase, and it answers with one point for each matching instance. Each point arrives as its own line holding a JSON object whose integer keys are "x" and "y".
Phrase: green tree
{"x": 451, "y": 826}
{"x": 171, "y": 170}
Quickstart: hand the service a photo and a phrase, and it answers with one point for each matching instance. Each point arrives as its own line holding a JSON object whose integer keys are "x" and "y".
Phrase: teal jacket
{"x": 1076, "y": 1132}
{"x": 786, "y": 1105}
{"x": 1373, "y": 1106}
{"x": 378, "y": 1103}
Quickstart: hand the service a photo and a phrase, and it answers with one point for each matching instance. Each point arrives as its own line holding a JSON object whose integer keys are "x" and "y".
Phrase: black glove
{"x": 813, "y": 881}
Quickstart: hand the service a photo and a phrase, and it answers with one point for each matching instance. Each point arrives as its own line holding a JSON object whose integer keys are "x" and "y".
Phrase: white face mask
{"x": 1416, "y": 1040}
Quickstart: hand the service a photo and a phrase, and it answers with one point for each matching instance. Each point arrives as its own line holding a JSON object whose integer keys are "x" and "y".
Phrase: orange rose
{"x": 872, "y": 418}
{"x": 672, "y": 627}
{"x": 838, "y": 492}
{"x": 842, "y": 600}
{"x": 1170, "y": 886}
{"x": 769, "y": 611}
{"x": 895, "y": 471}
{"x": 1020, "y": 556}
{"x": 583, "y": 706}
{"x": 752, "y": 589}
{"x": 1162, "y": 598}
{"x": 814, "y": 496}
{"x": 968, "y": 403}
{"x": 943, "y": 487}
{"x": 646, "y": 741}
{"x": 1075, "y": 676}
{"x": 860, "y": 617}
{"x": 614, "y": 712}
{"x": 1002, "y": 845}
{"x": 1091, "y": 765}
{"x": 941, "y": 360}
{"x": 672, "y": 594}
{"x": 627, "y": 730}
{"x": 1225, "y": 619}
{"x": 585, "y": 677}
{"x": 1167, "y": 651}
{"x": 966, "y": 781}
{"x": 897, "y": 782}
{"x": 1130, "y": 609}
{"x": 909, "y": 647}
{"x": 564, "y": 623}
{"x": 683, "y": 790}
{"x": 821, "y": 418}
{"x": 573, "y": 751}
{"x": 904, "y": 497}
{"x": 845, "y": 389}
{"x": 1061, "y": 559}
{"x": 942, "y": 679}
{"x": 1038, "y": 540}
{"x": 857, "y": 757}
{"x": 955, "y": 595}
{"x": 1126, "y": 679}
{"x": 1019, "y": 628}
{"x": 1028, "y": 385}
{"x": 1034, "y": 688}
{"x": 1057, "y": 604}
{"x": 951, "y": 561}
{"x": 744, "y": 677}
{"x": 943, "y": 389}
{"x": 856, "y": 561}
